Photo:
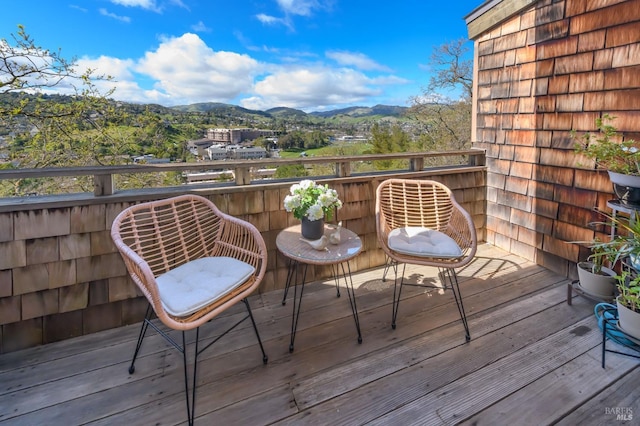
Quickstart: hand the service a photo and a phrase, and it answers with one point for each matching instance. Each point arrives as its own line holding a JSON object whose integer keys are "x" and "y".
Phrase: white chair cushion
{"x": 194, "y": 285}
{"x": 425, "y": 242}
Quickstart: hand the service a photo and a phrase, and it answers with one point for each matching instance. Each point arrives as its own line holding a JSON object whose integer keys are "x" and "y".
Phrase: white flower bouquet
{"x": 310, "y": 200}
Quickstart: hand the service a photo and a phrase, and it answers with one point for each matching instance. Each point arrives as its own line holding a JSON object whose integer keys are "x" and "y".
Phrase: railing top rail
{"x": 168, "y": 167}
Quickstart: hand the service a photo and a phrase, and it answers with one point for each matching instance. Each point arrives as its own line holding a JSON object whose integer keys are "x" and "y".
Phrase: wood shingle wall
{"x": 550, "y": 68}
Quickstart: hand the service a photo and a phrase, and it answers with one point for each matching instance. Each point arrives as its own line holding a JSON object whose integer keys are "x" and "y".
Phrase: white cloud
{"x": 296, "y": 7}
{"x": 81, "y": 9}
{"x": 293, "y": 8}
{"x": 105, "y": 12}
{"x": 151, "y": 5}
{"x": 302, "y": 7}
{"x": 388, "y": 80}
{"x": 357, "y": 60}
{"x": 200, "y": 27}
{"x": 120, "y": 70}
{"x": 272, "y": 20}
{"x": 311, "y": 87}
{"x": 185, "y": 68}
{"x": 145, "y": 4}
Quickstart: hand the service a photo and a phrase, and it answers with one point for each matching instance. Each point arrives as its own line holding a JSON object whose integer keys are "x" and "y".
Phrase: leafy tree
{"x": 385, "y": 141}
{"x": 316, "y": 139}
{"x": 452, "y": 70}
{"x": 447, "y": 122}
{"x": 53, "y": 131}
{"x": 290, "y": 170}
{"x": 293, "y": 140}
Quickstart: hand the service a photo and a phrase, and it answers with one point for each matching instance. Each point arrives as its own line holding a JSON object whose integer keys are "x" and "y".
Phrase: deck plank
{"x": 622, "y": 394}
{"x": 445, "y": 365}
{"x": 528, "y": 345}
{"x": 506, "y": 376}
{"x": 557, "y": 392}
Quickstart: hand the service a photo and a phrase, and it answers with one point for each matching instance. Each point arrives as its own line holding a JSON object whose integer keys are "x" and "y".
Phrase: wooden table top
{"x": 290, "y": 242}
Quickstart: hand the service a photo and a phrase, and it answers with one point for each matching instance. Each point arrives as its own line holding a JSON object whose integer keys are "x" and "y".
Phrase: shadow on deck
{"x": 533, "y": 359}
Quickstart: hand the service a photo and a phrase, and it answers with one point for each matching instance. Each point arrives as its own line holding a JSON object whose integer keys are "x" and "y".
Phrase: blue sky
{"x": 312, "y": 55}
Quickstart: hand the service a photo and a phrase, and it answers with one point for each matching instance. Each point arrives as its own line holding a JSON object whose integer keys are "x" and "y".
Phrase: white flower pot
{"x": 628, "y": 320}
{"x": 597, "y": 285}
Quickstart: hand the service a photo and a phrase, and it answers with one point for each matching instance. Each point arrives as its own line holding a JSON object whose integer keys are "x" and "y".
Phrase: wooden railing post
{"x": 416, "y": 164}
{"x": 243, "y": 175}
{"x": 477, "y": 160}
{"x": 343, "y": 169}
{"x": 103, "y": 185}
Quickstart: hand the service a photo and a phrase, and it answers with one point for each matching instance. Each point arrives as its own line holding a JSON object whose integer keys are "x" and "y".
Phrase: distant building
{"x": 236, "y": 136}
{"x": 150, "y": 159}
{"x": 214, "y": 153}
{"x": 198, "y": 147}
{"x": 248, "y": 153}
{"x": 356, "y": 138}
{"x": 220, "y": 138}
{"x": 234, "y": 152}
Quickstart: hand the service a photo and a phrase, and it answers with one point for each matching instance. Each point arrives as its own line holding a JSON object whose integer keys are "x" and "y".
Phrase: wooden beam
{"x": 501, "y": 11}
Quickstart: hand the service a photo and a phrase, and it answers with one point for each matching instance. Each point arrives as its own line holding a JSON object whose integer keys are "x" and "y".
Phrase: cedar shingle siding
{"x": 546, "y": 69}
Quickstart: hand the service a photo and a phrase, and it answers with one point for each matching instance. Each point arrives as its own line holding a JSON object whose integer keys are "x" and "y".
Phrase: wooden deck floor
{"x": 532, "y": 360}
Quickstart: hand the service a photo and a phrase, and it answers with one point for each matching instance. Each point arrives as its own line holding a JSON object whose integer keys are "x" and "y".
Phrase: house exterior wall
{"x": 61, "y": 275}
{"x": 550, "y": 68}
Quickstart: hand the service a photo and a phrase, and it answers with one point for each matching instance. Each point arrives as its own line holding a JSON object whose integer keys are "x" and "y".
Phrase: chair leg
{"x": 191, "y": 401}
{"x": 389, "y": 263}
{"x": 397, "y": 291}
{"x": 143, "y": 331}
{"x": 450, "y": 275}
{"x": 265, "y": 358}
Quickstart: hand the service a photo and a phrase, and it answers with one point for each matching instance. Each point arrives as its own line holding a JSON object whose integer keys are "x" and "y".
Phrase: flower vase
{"x": 312, "y": 229}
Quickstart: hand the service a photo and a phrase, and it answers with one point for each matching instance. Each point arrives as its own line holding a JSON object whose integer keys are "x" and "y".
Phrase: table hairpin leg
{"x": 297, "y": 300}
{"x": 336, "y": 279}
{"x": 346, "y": 274}
{"x": 291, "y": 268}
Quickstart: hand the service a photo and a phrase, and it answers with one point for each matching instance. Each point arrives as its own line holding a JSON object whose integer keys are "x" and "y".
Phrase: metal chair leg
{"x": 143, "y": 331}
{"x": 396, "y": 300}
{"x": 265, "y": 358}
{"x": 191, "y": 402}
{"x": 450, "y": 275}
{"x": 191, "y": 399}
{"x": 389, "y": 263}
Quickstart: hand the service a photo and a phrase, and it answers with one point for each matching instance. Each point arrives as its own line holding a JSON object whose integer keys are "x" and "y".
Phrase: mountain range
{"x": 355, "y": 112}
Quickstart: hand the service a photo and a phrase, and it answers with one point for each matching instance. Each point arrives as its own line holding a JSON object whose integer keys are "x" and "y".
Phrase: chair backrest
{"x": 158, "y": 236}
{"x": 405, "y": 202}
{"x": 171, "y": 232}
{"x": 423, "y": 203}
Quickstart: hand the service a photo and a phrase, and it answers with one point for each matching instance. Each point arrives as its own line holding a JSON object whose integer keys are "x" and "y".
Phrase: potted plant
{"x": 595, "y": 278}
{"x": 625, "y": 246}
{"x": 626, "y": 243}
{"x": 628, "y": 303}
{"x": 312, "y": 203}
{"x": 620, "y": 157}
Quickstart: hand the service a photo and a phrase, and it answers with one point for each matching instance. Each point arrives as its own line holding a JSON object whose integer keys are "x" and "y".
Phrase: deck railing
{"x": 103, "y": 175}
{"x": 61, "y": 276}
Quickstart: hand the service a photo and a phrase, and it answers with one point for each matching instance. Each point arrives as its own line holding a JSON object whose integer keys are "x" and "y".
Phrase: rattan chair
{"x": 192, "y": 262}
{"x": 419, "y": 222}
